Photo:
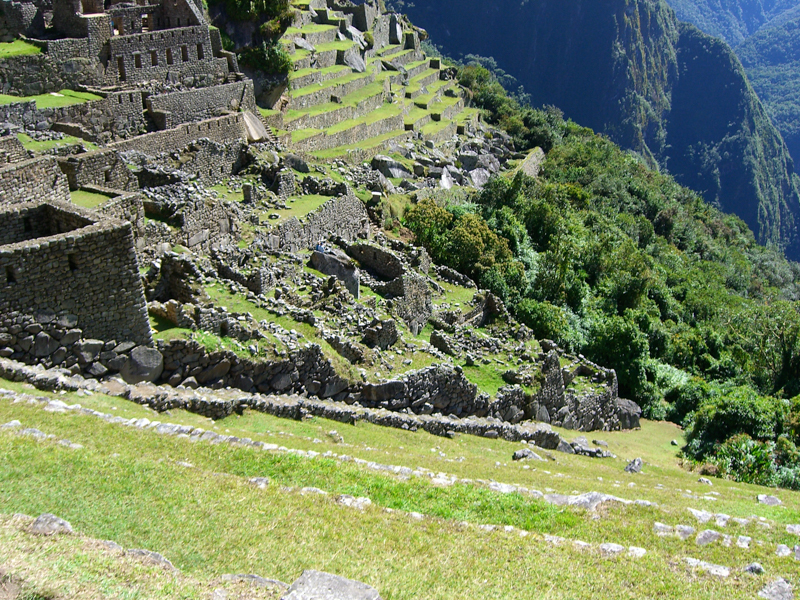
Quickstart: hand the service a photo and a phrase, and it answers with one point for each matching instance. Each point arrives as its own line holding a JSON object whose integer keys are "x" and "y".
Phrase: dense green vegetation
{"x": 619, "y": 262}
{"x": 264, "y": 53}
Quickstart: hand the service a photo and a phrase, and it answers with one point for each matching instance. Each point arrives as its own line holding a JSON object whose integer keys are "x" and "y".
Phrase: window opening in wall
{"x": 223, "y": 329}
{"x": 73, "y": 265}
{"x": 137, "y": 60}
{"x": 179, "y": 21}
{"x": 169, "y": 56}
{"x": 130, "y": 96}
{"x": 184, "y": 54}
{"x": 154, "y": 58}
{"x": 121, "y": 68}
{"x": 26, "y": 224}
{"x": 119, "y": 98}
{"x": 200, "y": 54}
{"x": 107, "y": 176}
{"x": 10, "y": 278}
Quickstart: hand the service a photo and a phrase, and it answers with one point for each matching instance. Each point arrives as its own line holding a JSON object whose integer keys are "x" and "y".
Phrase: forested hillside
{"x": 631, "y": 70}
{"x": 621, "y": 263}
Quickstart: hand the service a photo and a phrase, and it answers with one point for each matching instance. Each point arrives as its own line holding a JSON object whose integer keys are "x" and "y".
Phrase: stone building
{"x": 57, "y": 258}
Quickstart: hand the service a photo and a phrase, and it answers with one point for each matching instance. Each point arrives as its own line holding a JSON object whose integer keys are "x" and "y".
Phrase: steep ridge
{"x": 628, "y": 68}
{"x": 771, "y": 58}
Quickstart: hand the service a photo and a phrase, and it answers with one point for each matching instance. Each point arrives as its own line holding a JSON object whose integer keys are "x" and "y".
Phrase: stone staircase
{"x": 344, "y": 101}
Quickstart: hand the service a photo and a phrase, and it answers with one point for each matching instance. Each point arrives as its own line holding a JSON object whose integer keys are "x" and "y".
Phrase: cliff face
{"x": 630, "y": 69}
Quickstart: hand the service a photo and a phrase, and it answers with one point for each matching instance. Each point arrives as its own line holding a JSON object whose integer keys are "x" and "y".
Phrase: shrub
{"x": 739, "y": 411}
{"x": 546, "y": 321}
{"x": 267, "y": 57}
{"x": 744, "y": 459}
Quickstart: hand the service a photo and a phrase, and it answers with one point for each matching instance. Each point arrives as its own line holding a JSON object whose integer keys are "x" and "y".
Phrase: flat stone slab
{"x": 769, "y": 500}
{"x": 316, "y": 585}
{"x": 711, "y": 569}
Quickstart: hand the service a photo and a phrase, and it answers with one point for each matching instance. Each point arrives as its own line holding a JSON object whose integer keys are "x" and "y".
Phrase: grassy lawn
{"x": 53, "y": 100}
{"x": 18, "y": 48}
{"x": 45, "y": 146}
{"x": 209, "y": 521}
{"x": 88, "y": 199}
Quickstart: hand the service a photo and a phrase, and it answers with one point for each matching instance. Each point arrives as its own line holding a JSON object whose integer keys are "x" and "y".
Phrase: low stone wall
{"x": 345, "y": 217}
{"x": 351, "y": 136}
{"x": 125, "y": 207}
{"x": 221, "y": 129}
{"x": 287, "y": 407}
{"x": 103, "y": 168}
{"x": 212, "y": 161}
{"x": 171, "y": 110}
{"x": 33, "y": 180}
{"x": 55, "y": 340}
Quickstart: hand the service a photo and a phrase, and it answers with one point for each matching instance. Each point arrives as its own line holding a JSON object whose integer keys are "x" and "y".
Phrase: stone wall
{"x": 590, "y": 410}
{"x": 344, "y": 216}
{"x": 16, "y": 18}
{"x": 118, "y": 115}
{"x": 33, "y": 180}
{"x": 100, "y": 167}
{"x": 184, "y": 55}
{"x": 211, "y": 161}
{"x": 29, "y": 75}
{"x": 12, "y": 150}
{"x": 124, "y": 207}
{"x": 171, "y": 110}
{"x": 89, "y": 271}
{"x": 220, "y": 129}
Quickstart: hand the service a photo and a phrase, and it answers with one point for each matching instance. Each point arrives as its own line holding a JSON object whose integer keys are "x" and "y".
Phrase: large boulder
{"x": 355, "y": 61}
{"x": 628, "y": 413}
{"x": 316, "y": 585}
{"x": 143, "y": 364}
{"x": 391, "y": 168}
{"x": 48, "y": 524}
{"x": 339, "y": 265}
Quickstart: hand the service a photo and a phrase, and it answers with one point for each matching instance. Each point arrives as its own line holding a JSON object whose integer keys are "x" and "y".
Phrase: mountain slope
{"x": 731, "y": 20}
{"x": 771, "y": 58}
{"x": 630, "y": 69}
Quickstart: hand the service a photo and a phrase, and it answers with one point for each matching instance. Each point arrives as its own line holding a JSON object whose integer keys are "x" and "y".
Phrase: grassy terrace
{"x": 310, "y": 89}
{"x": 88, "y": 199}
{"x": 45, "y": 146}
{"x": 211, "y": 522}
{"x": 385, "y": 112}
{"x": 435, "y": 127}
{"x": 310, "y": 28}
{"x": 18, "y": 48}
{"x": 368, "y": 91}
{"x": 327, "y": 71}
{"x": 366, "y": 144}
{"x": 52, "y": 100}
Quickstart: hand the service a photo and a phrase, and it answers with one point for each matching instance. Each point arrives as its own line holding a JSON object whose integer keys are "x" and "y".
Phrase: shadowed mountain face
{"x": 630, "y": 69}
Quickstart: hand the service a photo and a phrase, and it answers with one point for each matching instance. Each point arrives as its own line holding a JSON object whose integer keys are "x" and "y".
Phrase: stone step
{"x": 354, "y": 106}
{"x": 405, "y": 57}
{"x": 434, "y": 95}
{"x": 329, "y": 91}
{"x": 377, "y": 123}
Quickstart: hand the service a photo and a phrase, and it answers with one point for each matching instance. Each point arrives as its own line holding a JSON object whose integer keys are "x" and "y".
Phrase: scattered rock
{"x": 635, "y": 466}
{"x": 143, "y": 364}
{"x": 260, "y": 482}
{"x": 526, "y": 454}
{"x": 769, "y": 500}
{"x": 754, "y": 568}
{"x": 11, "y": 425}
{"x": 711, "y": 569}
{"x": 704, "y": 481}
{"x": 316, "y": 585}
{"x": 49, "y": 524}
{"x": 707, "y": 536}
{"x": 152, "y": 556}
{"x": 777, "y": 590}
